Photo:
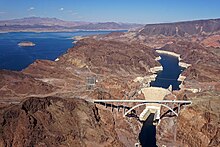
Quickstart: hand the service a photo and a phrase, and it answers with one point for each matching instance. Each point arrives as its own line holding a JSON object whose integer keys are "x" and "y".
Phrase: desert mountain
{"x": 31, "y": 21}
{"x": 182, "y": 28}
{"x": 54, "y": 24}
{"x": 108, "y": 25}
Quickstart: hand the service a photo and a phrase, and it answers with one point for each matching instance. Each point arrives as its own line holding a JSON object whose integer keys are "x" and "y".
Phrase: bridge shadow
{"x": 120, "y": 108}
{"x": 133, "y": 113}
{"x": 147, "y": 136}
{"x": 169, "y": 113}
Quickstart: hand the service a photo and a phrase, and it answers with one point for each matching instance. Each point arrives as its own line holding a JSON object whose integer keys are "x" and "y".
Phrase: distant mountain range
{"x": 182, "y": 28}
{"x": 39, "y": 24}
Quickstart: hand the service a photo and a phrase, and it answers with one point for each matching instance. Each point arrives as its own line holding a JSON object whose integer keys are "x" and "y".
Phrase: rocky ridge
{"x": 53, "y": 121}
{"x": 182, "y": 29}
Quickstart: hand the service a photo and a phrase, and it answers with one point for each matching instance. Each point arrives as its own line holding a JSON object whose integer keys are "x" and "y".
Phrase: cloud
{"x": 61, "y": 9}
{"x": 31, "y": 8}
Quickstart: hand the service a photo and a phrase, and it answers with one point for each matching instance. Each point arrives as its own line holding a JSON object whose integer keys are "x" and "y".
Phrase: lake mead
{"x": 48, "y": 46}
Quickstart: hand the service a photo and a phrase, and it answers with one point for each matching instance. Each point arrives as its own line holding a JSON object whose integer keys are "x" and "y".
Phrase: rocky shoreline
{"x": 156, "y": 69}
{"x": 169, "y": 53}
{"x": 182, "y": 64}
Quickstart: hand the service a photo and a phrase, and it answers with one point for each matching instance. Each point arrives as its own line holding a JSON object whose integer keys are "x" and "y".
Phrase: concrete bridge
{"x": 152, "y": 106}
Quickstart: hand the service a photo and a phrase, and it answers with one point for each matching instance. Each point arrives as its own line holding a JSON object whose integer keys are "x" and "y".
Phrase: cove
{"x": 168, "y": 76}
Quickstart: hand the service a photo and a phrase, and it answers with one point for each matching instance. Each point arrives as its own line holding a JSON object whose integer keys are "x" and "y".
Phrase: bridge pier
{"x": 112, "y": 107}
{"x": 118, "y": 108}
{"x": 178, "y": 110}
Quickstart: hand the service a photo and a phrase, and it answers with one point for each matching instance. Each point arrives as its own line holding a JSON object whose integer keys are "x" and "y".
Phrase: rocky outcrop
{"x": 182, "y": 28}
{"x": 112, "y": 57}
{"x": 192, "y": 53}
{"x": 196, "y": 125}
{"x": 54, "y": 121}
{"x": 204, "y": 130}
{"x": 212, "y": 41}
{"x": 14, "y": 85}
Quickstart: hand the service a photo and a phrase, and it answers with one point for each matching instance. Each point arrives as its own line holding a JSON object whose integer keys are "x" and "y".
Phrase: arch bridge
{"x": 152, "y": 106}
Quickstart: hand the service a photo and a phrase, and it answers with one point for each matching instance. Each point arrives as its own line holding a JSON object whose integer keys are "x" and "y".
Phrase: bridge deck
{"x": 143, "y": 101}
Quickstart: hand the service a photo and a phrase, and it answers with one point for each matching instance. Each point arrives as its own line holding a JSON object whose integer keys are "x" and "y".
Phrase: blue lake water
{"x": 48, "y": 46}
{"x": 147, "y": 136}
{"x": 170, "y": 73}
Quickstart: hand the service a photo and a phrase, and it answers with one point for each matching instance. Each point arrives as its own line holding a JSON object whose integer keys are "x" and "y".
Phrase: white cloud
{"x": 31, "y": 8}
{"x": 1, "y": 12}
{"x": 61, "y": 9}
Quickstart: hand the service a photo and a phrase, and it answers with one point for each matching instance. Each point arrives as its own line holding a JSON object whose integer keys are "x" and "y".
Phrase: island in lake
{"x": 26, "y": 44}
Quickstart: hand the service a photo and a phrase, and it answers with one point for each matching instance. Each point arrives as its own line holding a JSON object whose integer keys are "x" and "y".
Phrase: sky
{"x": 132, "y": 11}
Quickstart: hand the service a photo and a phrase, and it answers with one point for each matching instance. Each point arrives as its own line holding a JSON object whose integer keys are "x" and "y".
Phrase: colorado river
{"x": 170, "y": 73}
{"x": 165, "y": 78}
